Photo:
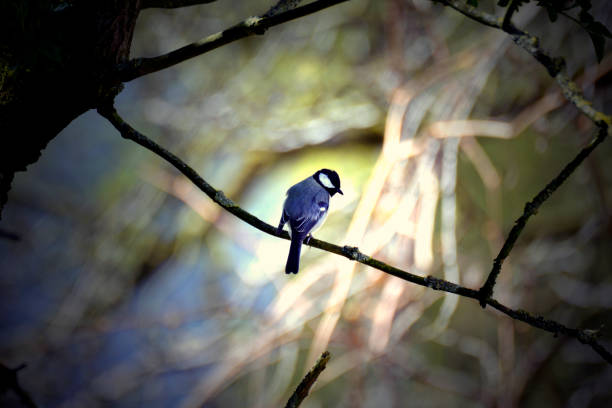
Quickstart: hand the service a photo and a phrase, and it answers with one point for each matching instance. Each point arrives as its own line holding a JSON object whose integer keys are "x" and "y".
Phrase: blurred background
{"x": 128, "y": 287}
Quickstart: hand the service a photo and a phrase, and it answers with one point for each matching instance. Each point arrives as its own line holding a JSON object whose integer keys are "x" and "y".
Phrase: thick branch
{"x": 308, "y": 381}
{"x": 169, "y": 4}
{"x": 571, "y": 91}
{"x": 352, "y": 253}
{"x": 253, "y": 25}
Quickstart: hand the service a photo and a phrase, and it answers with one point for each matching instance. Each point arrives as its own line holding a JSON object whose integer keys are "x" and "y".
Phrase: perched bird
{"x": 305, "y": 210}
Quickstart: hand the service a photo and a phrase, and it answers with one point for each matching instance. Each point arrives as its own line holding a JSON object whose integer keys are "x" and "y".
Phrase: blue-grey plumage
{"x": 305, "y": 210}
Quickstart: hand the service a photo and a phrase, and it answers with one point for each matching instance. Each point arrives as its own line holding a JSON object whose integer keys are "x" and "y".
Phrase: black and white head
{"x": 329, "y": 180}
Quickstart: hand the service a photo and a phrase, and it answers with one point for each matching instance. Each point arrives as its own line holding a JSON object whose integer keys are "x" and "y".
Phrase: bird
{"x": 305, "y": 209}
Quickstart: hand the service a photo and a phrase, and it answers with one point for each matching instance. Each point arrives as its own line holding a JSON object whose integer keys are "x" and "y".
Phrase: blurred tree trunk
{"x": 57, "y": 59}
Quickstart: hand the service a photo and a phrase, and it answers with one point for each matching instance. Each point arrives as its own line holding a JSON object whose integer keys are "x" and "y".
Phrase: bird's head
{"x": 329, "y": 180}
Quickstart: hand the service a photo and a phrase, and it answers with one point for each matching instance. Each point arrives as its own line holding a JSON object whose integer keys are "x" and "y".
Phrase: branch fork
{"x": 286, "y": 10}
{"x": 346, "y": 251}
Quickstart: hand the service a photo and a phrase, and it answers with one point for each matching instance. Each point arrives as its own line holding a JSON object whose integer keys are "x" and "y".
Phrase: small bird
{"x": 305, "y": 210}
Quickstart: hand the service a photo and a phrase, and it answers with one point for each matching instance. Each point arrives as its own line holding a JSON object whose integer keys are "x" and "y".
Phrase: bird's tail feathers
{"x": 293, "y": 260}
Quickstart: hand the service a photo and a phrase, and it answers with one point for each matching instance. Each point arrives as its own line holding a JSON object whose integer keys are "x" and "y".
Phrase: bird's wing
{"x": 312, "y": 214}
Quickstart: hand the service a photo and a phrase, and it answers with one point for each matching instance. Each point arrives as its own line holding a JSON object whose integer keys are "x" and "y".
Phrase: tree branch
{"x": 556, "y": 68}
{"x": 531, "y": 44}
{"x": 507, "y": 21}
{"x": 9, "y": 381}
{"x": 170, "y": 4}
{"x": 281, "y": 6}
{"x": 307, "y": 382}
{"x": 531, "y": 208}
{"x": 585, "y": 336}
{"x": 138, "y": 67}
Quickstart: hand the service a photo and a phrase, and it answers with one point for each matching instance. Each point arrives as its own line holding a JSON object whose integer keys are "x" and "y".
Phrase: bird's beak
{"x": 340, "y": 191}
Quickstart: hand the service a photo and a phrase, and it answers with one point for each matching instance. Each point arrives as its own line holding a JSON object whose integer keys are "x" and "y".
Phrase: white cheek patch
{"x": 322, "y": 209}
{"x": 325, "y": 181}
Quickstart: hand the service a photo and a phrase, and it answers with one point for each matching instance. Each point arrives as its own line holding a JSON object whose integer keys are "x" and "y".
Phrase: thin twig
{"x": 282, "y": 6}
{"x": 138, "y": 67}
{"x": 530, "y": 43}
{"x": 531, "y": 208}
{"x": 585, "y": 336}
{"x": 11, "y": 236}
{"x": 307, "y": 382}
{"x": 507, "y": 21}
{"x": 556, "y": 68}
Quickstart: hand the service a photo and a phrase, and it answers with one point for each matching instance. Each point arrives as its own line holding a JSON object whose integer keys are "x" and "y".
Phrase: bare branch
{"x": 531, "y": 208}
{"x": 531, "y": 44}
{"x": 507, "y": 21}
{"x": 11, "y": 236}
{"x": 253, "y": 25}
{"x": 571, "y": 91}
{"x": 170, "y": 4}
{"x": 585, "y": 336}
{"x": 8, "y": 381}
{"x": 307, "y": 382}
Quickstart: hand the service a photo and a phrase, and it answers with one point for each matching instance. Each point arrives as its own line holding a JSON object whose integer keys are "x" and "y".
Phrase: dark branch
{"x": 554, "y": 65}
{"x": 531, "y": 208}
{"x": 282, "y": 6}
{"x": 507, "y": 22}
{"x": 307, "y": 382}
{"x": 8, "y": 381}
{"x": 556, "y": 68}
{"x": 253, "y": 25}
{"x": 585, "y": 336}
{"x": 169, "y": 4}
{"x": 353, "y": 253}
{"x": 11, "y": 236}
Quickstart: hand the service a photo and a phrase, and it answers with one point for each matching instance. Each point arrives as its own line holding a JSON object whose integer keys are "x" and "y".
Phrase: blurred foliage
{"x": 128, "y": 287}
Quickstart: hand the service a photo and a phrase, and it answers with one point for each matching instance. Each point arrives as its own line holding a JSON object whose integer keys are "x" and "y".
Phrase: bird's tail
{"x": 293, "y": 261}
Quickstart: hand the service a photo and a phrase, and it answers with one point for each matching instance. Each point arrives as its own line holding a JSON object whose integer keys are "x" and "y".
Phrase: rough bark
{"x": 56, "y": 61}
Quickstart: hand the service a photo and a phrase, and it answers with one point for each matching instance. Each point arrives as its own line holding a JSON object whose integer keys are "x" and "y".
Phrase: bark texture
{"x": 57, "y": 59}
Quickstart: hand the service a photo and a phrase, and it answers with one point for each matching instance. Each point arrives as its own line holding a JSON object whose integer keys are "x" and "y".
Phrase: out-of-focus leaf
{"x": 514, "y": 5}
{"x": 473, "y": 3}
{"x": 599, "y": 43}
{"x": 552, "y": 14}
{"x": 585, "y": 16}
{"x": 596, "y": 30}
{"x": 553, "y": 8}
{"x": 584, "y": 4}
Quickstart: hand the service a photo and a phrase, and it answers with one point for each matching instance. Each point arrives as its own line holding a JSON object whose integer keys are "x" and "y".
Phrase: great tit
{"x": 305, "y": 209}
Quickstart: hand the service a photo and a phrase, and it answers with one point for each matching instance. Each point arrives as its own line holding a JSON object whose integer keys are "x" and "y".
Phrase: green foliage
{"x": 597, "y": 31}
{"x": 473, "y": 3}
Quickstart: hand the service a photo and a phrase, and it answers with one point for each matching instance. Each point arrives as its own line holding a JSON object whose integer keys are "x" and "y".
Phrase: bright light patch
{"x": 325, "y": 181}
